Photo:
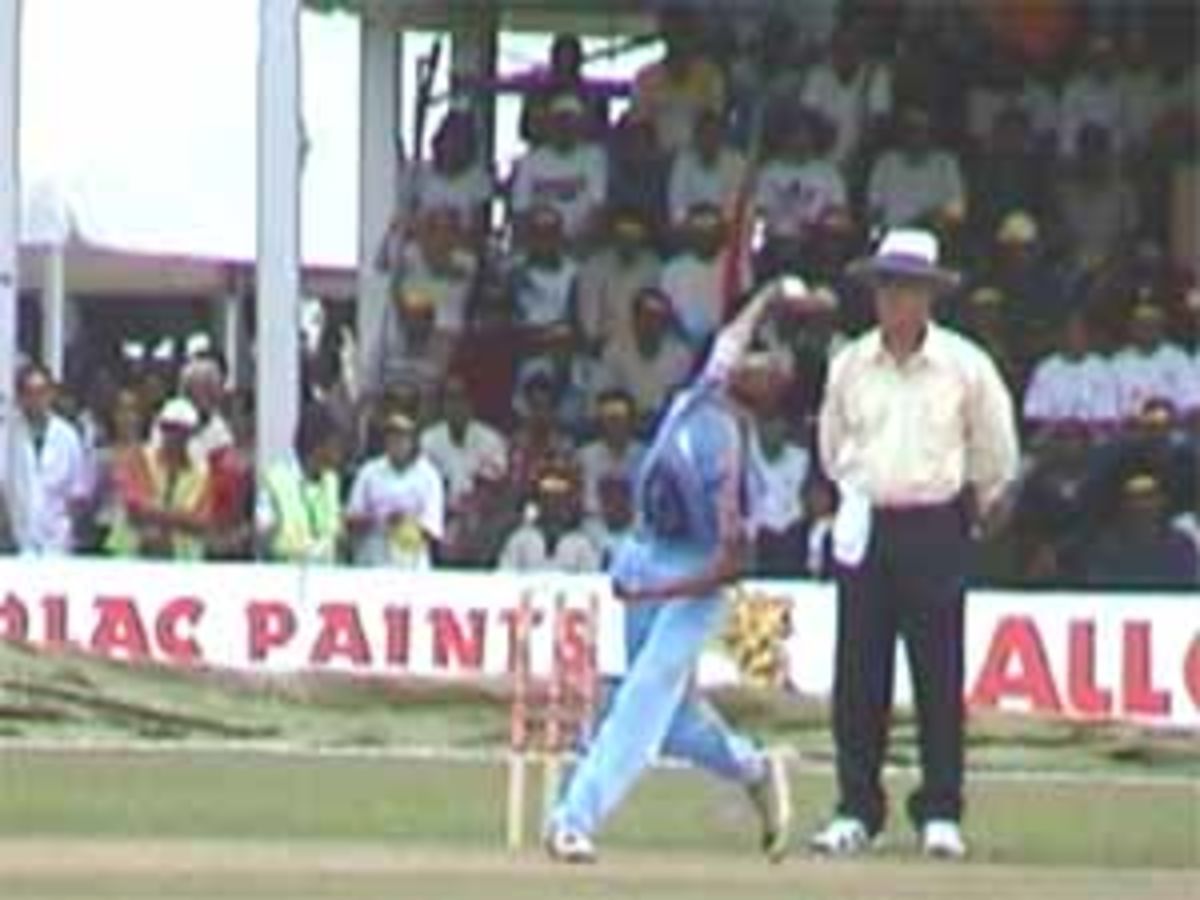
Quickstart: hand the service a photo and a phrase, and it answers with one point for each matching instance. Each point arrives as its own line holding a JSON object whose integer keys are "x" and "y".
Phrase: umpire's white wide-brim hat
{"x": 906, "y": 253}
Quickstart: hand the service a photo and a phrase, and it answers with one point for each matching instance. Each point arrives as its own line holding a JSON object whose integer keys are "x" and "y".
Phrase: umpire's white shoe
{"x": 771, "y": 797}
{"x": 569, "y": 846}
{"x": 943, "y": 839}
{"x": 844, "y": 836}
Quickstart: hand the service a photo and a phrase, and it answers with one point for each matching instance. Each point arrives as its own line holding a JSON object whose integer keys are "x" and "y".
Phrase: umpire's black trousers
{"x": 912, "y": 583}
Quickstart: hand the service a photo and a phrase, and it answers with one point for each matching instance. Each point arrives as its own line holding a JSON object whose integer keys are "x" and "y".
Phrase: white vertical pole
{"x": 378, "y": 167}
{"x": 228, "y": 314}
{"x": 278, "y": 298}
{"x": 10, "y": 217}
{"x": 54, "y": 308}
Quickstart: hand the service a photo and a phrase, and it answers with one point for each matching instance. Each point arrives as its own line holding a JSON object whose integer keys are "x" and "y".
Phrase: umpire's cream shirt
{"x": 916, "y": 433}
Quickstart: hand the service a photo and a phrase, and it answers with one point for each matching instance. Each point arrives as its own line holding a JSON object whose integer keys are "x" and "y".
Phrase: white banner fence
{"x": 1086, "y": 656}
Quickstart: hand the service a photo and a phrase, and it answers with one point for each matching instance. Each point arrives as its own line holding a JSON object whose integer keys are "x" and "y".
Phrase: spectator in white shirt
{"x": 695, "y": 278}
{"x": 852, "y": 92}
{"x": 462, "y": 447}
{"x": 611, "y": 277}
{"x": 708, "y": 171}
{"x": 918, "y": 182}
{"x": 656, "y": 362}
{"x": 1150, "y": 368}
{"x": 202, "y": 381}
{"x": 796, "y": 188}
{"x": 47, "y": 479}
{"x": 564, "y": 173}
{"x": 616, "y": 450}
{"x": 553, "y": 540}
{"x": 396, "y": 511}
{"x": 782, "y": 468}
{"x": 1092, "y": 97}
{"x": 1075, "y": 384}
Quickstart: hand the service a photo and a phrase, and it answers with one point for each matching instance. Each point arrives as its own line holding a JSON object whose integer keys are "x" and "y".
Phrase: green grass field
{"x": 116, "y": 783}
{"x": 233, "y": 824}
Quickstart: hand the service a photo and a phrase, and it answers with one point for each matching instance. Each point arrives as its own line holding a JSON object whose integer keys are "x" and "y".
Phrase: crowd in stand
{"x": 539, "y": 321}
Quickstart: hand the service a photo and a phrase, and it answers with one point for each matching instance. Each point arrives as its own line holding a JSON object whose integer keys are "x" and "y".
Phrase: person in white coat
{"x": 47, "y": 478}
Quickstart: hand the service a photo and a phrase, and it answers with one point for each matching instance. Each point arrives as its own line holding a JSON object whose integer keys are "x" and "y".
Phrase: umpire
{"x": 917, "y": 429}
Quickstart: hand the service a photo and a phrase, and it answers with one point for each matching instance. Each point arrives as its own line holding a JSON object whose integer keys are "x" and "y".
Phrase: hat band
{"x": 912, "y": 260}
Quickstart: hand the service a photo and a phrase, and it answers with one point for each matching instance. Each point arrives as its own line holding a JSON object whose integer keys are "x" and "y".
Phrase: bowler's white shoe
{"x": 844, "y": 836}
{"x": 570, "y": 846}
{"x": 771, "y": 797}
{"x": 943, "y": 839}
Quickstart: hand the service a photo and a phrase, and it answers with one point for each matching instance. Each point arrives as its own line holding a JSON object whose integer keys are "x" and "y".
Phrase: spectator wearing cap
{"x": 1140, "y": 549}
{"x": 1094, "y": 202}
{"x": 782, "y": 467}
{"x": 407, "y": 351}
{"x": 396, "y": 511}
{"x": 672, "y": 93}
{"x": 654, "y": 362}
{"x": 163, "y": 492}
{"x": 616, "y": 451}
{"x": 47, "y": 479}
{"x": 1092, "y": 97}
{"x": 202, "y": 382}
{"x": 796, "y": 188}
{"x": 565, "y": 172}
{"x": 611, "y": 277}
{"x": 708, "y": 171}
{"x": 1152, "y": 368}
{"x": 853, "y": 92}
{"x": 918, "y": 432}
{"x": 917, "y": 182}
{"x": 1073, "y": 384}
{"x": 298, "y": 512}
{"x": 694, "y": 278}
{"x": 461, "y": 445}
{"x": 552, "y": 539}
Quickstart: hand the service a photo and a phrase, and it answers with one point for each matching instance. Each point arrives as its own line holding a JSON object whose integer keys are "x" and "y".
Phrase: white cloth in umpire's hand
{"x": 851, "y": 527}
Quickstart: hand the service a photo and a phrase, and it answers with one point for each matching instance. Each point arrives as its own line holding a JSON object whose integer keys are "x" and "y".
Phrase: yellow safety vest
{"x": 185, "y": 494}
{"x": 308, "y": 515}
